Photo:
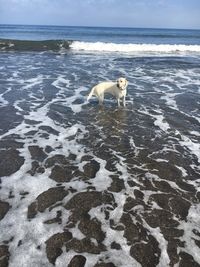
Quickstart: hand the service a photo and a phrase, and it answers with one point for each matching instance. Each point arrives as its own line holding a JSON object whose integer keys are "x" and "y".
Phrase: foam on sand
{"x": 122, "y": 183}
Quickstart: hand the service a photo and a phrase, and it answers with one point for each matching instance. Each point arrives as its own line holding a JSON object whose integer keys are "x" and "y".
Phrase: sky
{"x": 182, "y": 14}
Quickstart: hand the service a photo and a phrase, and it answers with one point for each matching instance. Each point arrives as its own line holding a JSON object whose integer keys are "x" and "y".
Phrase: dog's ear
{"x": 117, "y": 82}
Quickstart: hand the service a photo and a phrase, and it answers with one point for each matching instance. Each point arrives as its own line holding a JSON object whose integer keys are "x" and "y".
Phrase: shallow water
{"x": 117, "y": 185}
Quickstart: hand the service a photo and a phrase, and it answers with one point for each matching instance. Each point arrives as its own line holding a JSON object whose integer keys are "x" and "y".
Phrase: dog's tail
{"x": 90, "y": 94}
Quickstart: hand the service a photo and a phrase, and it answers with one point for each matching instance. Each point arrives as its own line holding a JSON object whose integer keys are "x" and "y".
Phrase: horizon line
{"x": 87, "y": 26}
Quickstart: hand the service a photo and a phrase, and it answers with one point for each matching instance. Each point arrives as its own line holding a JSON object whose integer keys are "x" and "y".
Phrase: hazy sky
{"x": 131, "y": 13}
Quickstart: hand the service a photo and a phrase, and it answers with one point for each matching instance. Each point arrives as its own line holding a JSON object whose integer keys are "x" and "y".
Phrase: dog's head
{"x": 122, "y": 83}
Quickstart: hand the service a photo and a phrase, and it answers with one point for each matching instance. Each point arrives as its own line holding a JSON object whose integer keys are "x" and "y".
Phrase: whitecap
{"x": 127, "y": 48}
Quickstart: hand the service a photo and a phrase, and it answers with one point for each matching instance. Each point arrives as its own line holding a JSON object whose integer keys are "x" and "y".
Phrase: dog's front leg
{"x": 118, "y": 102}
{"x": 124, "y": 101}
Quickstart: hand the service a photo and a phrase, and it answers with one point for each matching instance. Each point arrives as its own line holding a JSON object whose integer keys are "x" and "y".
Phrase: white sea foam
{"x": 195, "y": 133}
{"x": 121, "y": 257}
{"x": 156, "y": 233}
{"x": 3, "y": 101}
{"x": 170, "y": 99}
{"x": 159, "y": 119}
{"x": 193, "y": 147}
{"x": 70, "y": 139}
{"x": 192, "y": 223}
{"x": 113, "y": 47}
{"x": 33, "y": 81}
{"x": 184, "y": 172}
{"x": 133, "y": 145}
{"x": 61, "y": 83}
{"x": 163, "y": 125}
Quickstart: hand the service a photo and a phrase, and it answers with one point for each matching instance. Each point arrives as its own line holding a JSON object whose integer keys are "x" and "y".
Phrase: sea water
{"x": 132, "y": 173}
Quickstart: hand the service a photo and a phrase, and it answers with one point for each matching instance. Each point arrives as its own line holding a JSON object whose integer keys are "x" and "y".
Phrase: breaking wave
{"x": 112, "y": 47}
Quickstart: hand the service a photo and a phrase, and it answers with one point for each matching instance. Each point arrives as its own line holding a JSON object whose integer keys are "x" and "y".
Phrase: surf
{"x": 74, "y": 45}
{"x": 131, "y": 47}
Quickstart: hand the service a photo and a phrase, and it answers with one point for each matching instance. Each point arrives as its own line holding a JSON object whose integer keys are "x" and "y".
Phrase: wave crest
{"x": 60, "y": 45}
{"x": 127, "y": 48}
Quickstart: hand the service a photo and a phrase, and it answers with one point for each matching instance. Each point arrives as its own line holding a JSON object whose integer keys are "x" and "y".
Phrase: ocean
{"x": 99, "y": 186}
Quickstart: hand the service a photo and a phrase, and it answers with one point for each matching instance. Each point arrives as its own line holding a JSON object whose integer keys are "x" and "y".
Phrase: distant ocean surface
{"x": 101, "y": 34}
{"x": 107, "y": 38}
{"x": 89, "y": 185}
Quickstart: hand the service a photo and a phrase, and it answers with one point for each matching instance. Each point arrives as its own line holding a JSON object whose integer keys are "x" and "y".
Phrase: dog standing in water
{"x": 117, "y": 89}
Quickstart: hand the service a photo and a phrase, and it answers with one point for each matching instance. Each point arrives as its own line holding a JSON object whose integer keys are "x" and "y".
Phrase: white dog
{"x": 117, "y": 89}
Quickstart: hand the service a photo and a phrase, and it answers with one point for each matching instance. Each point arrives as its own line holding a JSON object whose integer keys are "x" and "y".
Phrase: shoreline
{"x": 83, "y": 185}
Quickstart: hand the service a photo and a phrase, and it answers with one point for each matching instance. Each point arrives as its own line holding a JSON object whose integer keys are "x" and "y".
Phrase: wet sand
{"x": 83, "y": 185}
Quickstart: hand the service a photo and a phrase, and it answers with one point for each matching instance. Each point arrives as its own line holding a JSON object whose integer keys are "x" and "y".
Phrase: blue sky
{"x": 131, "y": 13}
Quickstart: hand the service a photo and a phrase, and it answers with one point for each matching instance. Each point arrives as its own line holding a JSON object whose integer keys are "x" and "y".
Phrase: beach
{"x": 100, "y": 186}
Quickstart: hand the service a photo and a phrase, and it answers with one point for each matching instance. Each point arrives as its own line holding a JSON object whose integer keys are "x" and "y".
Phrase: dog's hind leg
{"x": 101, "y": 99}
{"x": 90, "y": 94}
